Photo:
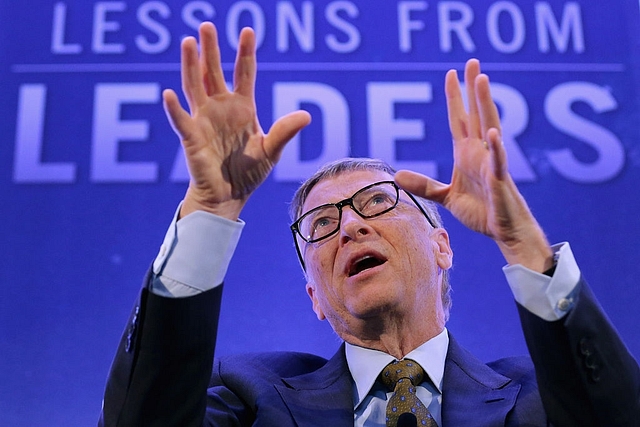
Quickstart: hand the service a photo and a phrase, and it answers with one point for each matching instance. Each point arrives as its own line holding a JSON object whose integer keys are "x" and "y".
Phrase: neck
{"x": 394, "y": 336}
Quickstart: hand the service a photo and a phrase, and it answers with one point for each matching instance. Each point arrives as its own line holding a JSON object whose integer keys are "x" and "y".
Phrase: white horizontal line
{"x": 96, "y": 68}
{"x": 137, "y": 67}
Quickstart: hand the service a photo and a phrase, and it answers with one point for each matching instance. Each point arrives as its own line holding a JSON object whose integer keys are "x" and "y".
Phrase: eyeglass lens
{"x": 368, "y": 202}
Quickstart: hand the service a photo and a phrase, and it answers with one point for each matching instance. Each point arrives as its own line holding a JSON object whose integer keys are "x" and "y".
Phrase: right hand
{"x": 227, "y": 153}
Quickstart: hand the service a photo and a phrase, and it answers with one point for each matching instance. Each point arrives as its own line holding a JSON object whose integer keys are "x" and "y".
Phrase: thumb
{"x": 179, "y": 119}
{"x": 421, "y": 185}
{"x": 281, "y": 132}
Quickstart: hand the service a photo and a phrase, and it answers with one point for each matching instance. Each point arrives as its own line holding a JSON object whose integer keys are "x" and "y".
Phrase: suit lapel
{"x": 323, "y": 397}
{"x": 474, "y": 395}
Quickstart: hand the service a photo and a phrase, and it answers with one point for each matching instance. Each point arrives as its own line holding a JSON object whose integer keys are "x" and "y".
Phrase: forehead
{"x": 342, "y": 186}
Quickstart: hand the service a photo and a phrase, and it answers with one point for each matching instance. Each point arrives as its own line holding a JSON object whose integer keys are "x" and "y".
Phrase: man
{"x": 376, "y": 260}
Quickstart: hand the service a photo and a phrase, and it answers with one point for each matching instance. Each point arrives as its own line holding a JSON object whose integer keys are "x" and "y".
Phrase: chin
{"x": 373, "y": 309}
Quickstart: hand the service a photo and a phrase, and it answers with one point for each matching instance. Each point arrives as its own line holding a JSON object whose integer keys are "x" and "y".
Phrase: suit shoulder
{"x": 279, "y": 363}
{"x": 518, "y": 368}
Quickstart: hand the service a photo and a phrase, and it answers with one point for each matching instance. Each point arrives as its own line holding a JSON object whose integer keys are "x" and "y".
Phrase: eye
{"x": 379, "y": 198}
{"x": 322, "y": 222}
{"x": 321, "y": 225}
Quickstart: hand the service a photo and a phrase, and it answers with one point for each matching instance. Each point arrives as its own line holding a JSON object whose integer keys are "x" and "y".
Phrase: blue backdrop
{"x": 91, "y": 172}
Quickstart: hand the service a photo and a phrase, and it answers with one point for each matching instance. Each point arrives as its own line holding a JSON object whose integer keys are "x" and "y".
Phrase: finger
{"x": 191, "y": 74}
{"x": 471, "y": 70}
{"x": 498, "y": 153}
{"x": 244, "y": 77}
{"x": 285, "y": 128}
{"x": 422, "y": 185}
{"x": 178, "y": 117}
{"x": 210, "y": 59}
{"x": 455, "y": 107}
{"x": 489, "y": 116}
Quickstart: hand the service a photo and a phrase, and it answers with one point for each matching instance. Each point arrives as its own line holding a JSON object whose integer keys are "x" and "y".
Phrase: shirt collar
{"x": 366, "y": 364}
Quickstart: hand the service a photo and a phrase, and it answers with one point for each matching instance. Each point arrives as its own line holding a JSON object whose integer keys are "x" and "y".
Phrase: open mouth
{"x": 364, "y": 263}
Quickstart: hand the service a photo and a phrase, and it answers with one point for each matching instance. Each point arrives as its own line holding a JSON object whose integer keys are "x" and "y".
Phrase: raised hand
{"x": 227, "y": 153}
{"x": 482, "y": 194}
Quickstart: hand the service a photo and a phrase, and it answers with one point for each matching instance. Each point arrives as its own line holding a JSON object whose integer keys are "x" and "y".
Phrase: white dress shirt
{"x": 370, "y": 397}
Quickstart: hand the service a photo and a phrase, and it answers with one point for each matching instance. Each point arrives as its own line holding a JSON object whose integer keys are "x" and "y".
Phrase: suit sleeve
{"x": 585, "y": 373}
{"x": 163, "y": 363}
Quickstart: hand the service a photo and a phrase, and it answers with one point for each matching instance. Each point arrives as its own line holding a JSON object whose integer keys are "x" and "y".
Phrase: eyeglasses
{"x": 371, "y": 201}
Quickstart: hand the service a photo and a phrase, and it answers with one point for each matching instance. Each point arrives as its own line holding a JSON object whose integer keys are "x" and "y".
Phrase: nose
{"x": 352, "y": 226}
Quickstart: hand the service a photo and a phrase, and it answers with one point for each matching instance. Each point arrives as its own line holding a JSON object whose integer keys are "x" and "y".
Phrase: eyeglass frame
{"x": 295, "y": 229}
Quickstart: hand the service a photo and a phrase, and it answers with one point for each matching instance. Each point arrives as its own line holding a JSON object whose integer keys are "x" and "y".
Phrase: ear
{"x": 311, "y": 291}
{"x": 444, "y": 253}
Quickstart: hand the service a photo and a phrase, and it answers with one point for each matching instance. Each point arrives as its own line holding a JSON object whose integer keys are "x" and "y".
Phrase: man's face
{"x": 390, "y": 265}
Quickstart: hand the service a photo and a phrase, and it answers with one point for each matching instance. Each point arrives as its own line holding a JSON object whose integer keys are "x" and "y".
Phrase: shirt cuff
{"x": 195, "y": 254}
{"x": 549, "y": 298}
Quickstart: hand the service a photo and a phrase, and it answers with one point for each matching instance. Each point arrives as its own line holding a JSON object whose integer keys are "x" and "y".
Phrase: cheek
{"x": 419, "y": 254}
{"x": 320, "y": 266}
{"x": 317, "y": 274}
{"x": 419, "y": 262}
{"x": 320, "y": 258}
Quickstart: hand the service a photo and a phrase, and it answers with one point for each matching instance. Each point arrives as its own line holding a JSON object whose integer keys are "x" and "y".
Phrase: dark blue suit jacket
{"x": 162, "y": 375}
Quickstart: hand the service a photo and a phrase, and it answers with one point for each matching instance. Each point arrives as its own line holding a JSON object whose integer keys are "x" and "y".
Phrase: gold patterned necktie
{"x": 402, "y": 377}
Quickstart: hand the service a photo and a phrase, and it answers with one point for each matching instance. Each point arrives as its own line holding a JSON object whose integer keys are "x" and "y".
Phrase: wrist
{"x": 533, "y": 252}
{"x": 229, "y": 209}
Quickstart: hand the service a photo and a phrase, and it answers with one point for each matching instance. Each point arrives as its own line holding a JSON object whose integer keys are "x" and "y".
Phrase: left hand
{"x": 482, "y": 194}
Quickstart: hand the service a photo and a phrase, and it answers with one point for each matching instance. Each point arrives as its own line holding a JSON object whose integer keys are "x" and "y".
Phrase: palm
{"x": 227, "y": 152}
{"x": 469, "y": 198}
{"x": 482, "y": 194}
{"x": 226, "y": 147}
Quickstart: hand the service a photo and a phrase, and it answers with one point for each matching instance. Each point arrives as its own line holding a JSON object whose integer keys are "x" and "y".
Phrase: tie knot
{"x": 399, "y": 370}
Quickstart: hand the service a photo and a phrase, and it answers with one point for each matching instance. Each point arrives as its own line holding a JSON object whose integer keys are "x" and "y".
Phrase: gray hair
{"x": 338, "y": 167}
